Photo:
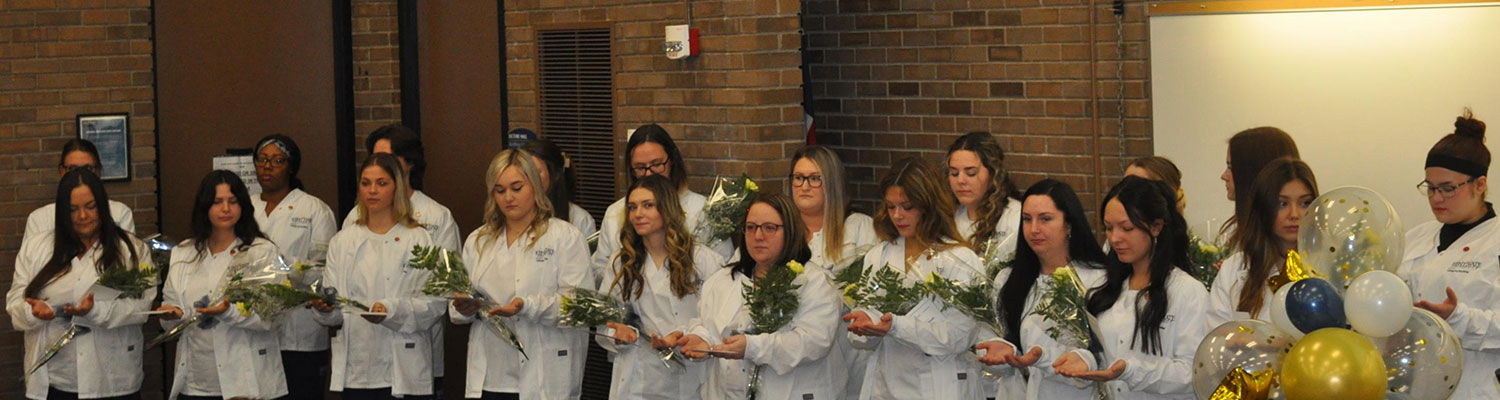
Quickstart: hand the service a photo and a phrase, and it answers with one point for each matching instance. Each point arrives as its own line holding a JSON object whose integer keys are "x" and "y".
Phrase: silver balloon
{"x": 1423, "y": 360}
{"x": 1250, "y": 344}
{"x": 1349, "y": 231}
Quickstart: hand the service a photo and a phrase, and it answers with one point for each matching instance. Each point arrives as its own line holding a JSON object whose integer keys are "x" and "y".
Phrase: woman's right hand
{"x": 41, "y": 310}
{"x": 173, "y": 313}
{"x": 318, "y": 304}
{"x": 623, "y": 334}
{"x": 995, "y": 352}
{"x": 466, "y": 306}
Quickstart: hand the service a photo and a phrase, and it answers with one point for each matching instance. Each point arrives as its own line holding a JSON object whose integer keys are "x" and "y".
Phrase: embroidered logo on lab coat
{"x": 544, "y": 254}
{"x": 1464, "y": 266}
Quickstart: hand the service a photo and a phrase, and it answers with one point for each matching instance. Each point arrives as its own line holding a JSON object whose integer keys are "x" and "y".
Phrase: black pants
{"x": 306, "y": 374}
{"x": 376, "y": 394}
{"x": 499, "y": 396}
{"x": 54, "y": 394}
{"x": 187, "y": 397}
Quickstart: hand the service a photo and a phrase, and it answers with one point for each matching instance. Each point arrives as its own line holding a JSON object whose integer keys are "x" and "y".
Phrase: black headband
{"x": 1456, "y": 164}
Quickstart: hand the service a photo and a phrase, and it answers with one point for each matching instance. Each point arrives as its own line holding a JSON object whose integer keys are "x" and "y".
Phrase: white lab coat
{"x": 922, "y": 357}
{"x": 299, "y": 224}
{"x": 44, "y": 219}
{"x": 1044, "y": 383}
{"x": 244, "y": 348}
{"x": 581, "y": 219}
{"x": 372, "y": 268}
{"x": 859, "y": 231}
{"x": 105, "y": 362}
{"x": 439, "y": 223}
{"x": 539, "y": 274}
{"x": 1470, "y": 267}
{"x": 1007, "y": 230}
{"x": 638, "y": 371}
{"x": 794, "y": 359}
{"x": 1168, "y": 375}
{"x": 1224, "y": 298}
{"x": 615, "y": 218}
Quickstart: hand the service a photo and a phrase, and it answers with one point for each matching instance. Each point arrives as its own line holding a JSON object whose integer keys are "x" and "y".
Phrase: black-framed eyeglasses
{"x": 814, "y": 181}
{"x": 658, "y": 166}
{"x": 271, "y": 161}
{"x": 90, "y": 168}
{"x": 768, "y": 228}
{"x": 1447, "y": 191}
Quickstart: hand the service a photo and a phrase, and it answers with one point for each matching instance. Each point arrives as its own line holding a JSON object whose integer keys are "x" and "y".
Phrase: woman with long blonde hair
{"x": 657, "y": 272}
{"x": 524, "y": 259}
{"x": 918, "y": 355}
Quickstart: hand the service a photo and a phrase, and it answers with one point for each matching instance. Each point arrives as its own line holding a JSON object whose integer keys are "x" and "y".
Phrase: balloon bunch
{"x": 1342, "y": 323}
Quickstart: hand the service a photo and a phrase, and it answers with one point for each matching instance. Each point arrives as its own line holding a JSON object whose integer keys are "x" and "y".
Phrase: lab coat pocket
{"x": 559, "y": 373}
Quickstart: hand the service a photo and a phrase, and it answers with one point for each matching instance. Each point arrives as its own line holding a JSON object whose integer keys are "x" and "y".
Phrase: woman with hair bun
{"x": 1453, "y": 263}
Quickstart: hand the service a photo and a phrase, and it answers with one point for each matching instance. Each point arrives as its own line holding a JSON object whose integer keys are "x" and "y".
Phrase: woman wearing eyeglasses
{"x": 301, "y": 226}
{"x": 818, "y": 190}
{"x": 650, "y": 151}
{"x": 76, "y": 154}
{"x": 1451, "y": 264}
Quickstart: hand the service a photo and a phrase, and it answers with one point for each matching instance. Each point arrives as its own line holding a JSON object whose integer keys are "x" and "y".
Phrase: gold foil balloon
{"x": 1241, "y": 385}
{"x": 1423, "y": 360}
{"x": 1349, "y": 231}
{"x": 1333, "y": 363}
{"x": 1250, "y": 346}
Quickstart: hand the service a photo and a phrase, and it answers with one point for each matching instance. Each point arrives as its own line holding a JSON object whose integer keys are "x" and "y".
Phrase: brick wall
{"x": 898, "y": 78}
{"x": 377, "y": 69}
{"x": 742, "y": 90}
{"x": 59, "y": 59}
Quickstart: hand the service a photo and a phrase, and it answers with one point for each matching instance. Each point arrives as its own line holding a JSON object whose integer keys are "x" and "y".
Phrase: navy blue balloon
{"x": 1313, "y": 304}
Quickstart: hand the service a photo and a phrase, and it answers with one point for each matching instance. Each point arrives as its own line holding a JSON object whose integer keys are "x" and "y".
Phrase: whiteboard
{"x": 1365, "y": 93}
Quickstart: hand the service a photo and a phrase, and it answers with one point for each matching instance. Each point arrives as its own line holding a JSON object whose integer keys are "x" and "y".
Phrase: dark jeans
{"x": 499, "y": 396}
{"x": 54, "y": 394}
{"x": 306, "y": 374}
{"x": 376, "y": 394}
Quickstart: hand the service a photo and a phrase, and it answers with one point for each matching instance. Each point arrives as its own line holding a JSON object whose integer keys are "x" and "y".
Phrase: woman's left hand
{"x": 510, "y": 309}
{"x": 375, "y": 308}
{"x": 82, "y": 308}
{"x": 733, "y": 348}
{"x": 214, "y": 310}
{"x": 875, "y": 328}
{"x": 1444, "y": 309}
{"x": 1107, "y": 374}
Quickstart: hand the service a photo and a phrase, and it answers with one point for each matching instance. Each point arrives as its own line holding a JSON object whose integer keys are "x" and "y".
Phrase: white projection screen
{"x": 1365, "y": 93}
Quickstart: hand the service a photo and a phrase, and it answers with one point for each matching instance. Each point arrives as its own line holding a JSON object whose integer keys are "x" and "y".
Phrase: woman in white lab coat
{"x": 557, "y": 175}
{"x": 387, "y": 352}
{"x": 819, "y": 190}
{"x": 918, "y": 355}
{"x": 236, "y": 353}
{"x": 793, "y": 360}
{"x": 1149, "y": 309}
{"x": 988, "y": 209}
{"x": 523, "y": 259}
{"x": 1451, "y": 263}
{"x": 658, "y": 274}
{"x": 1284, "y": 189}
{"x": 51, "y": 291}
{"x": 1055, "y": 233}
{"x": 650, "y": 152}
{"x": 300, "y": 225}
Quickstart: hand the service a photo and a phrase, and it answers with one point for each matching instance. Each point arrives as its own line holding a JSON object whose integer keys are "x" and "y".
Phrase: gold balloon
{"x": 1241, "y": 385}
{"x": 1333, "y": 363}
{"x": 1294, "y": 270}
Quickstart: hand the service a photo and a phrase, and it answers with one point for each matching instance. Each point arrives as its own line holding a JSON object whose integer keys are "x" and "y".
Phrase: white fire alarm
{"x": 682, "y": 42}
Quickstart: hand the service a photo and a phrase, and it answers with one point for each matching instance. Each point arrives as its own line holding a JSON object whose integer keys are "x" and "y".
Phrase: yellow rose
{"x": 287, "y": 283}
{"x": 795, "y": 266}
{"x": 751, "y": 186}
{"x": 932, "y": 278}
{"x": 244, "y": 309}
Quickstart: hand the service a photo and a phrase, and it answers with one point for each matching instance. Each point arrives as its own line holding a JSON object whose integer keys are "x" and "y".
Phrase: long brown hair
{"x": 401, "y": 208}
{"x": 1000, "y": 190}
{"x": 1163, "y": 169}
{"x": 794, "y": 243}
{"x": 936, "y": 230}
{"x": 1256, "y": 235}
{"x": 632, "y": 257}
{"x": 67, "y": 245}
{"x": 1249, "y": 152}
{"x": 835, "y": 198}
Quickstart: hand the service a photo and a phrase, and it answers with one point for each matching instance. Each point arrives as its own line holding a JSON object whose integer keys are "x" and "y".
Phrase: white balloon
{"x": 1378, "y": 304}
{"x": 1278, "y": 313}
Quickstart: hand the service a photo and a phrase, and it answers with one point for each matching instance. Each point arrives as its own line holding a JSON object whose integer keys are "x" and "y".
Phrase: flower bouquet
{"x": 725, "y": 209}
{"x": 450, "y": 280}
{"x": 772, "y": 302}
